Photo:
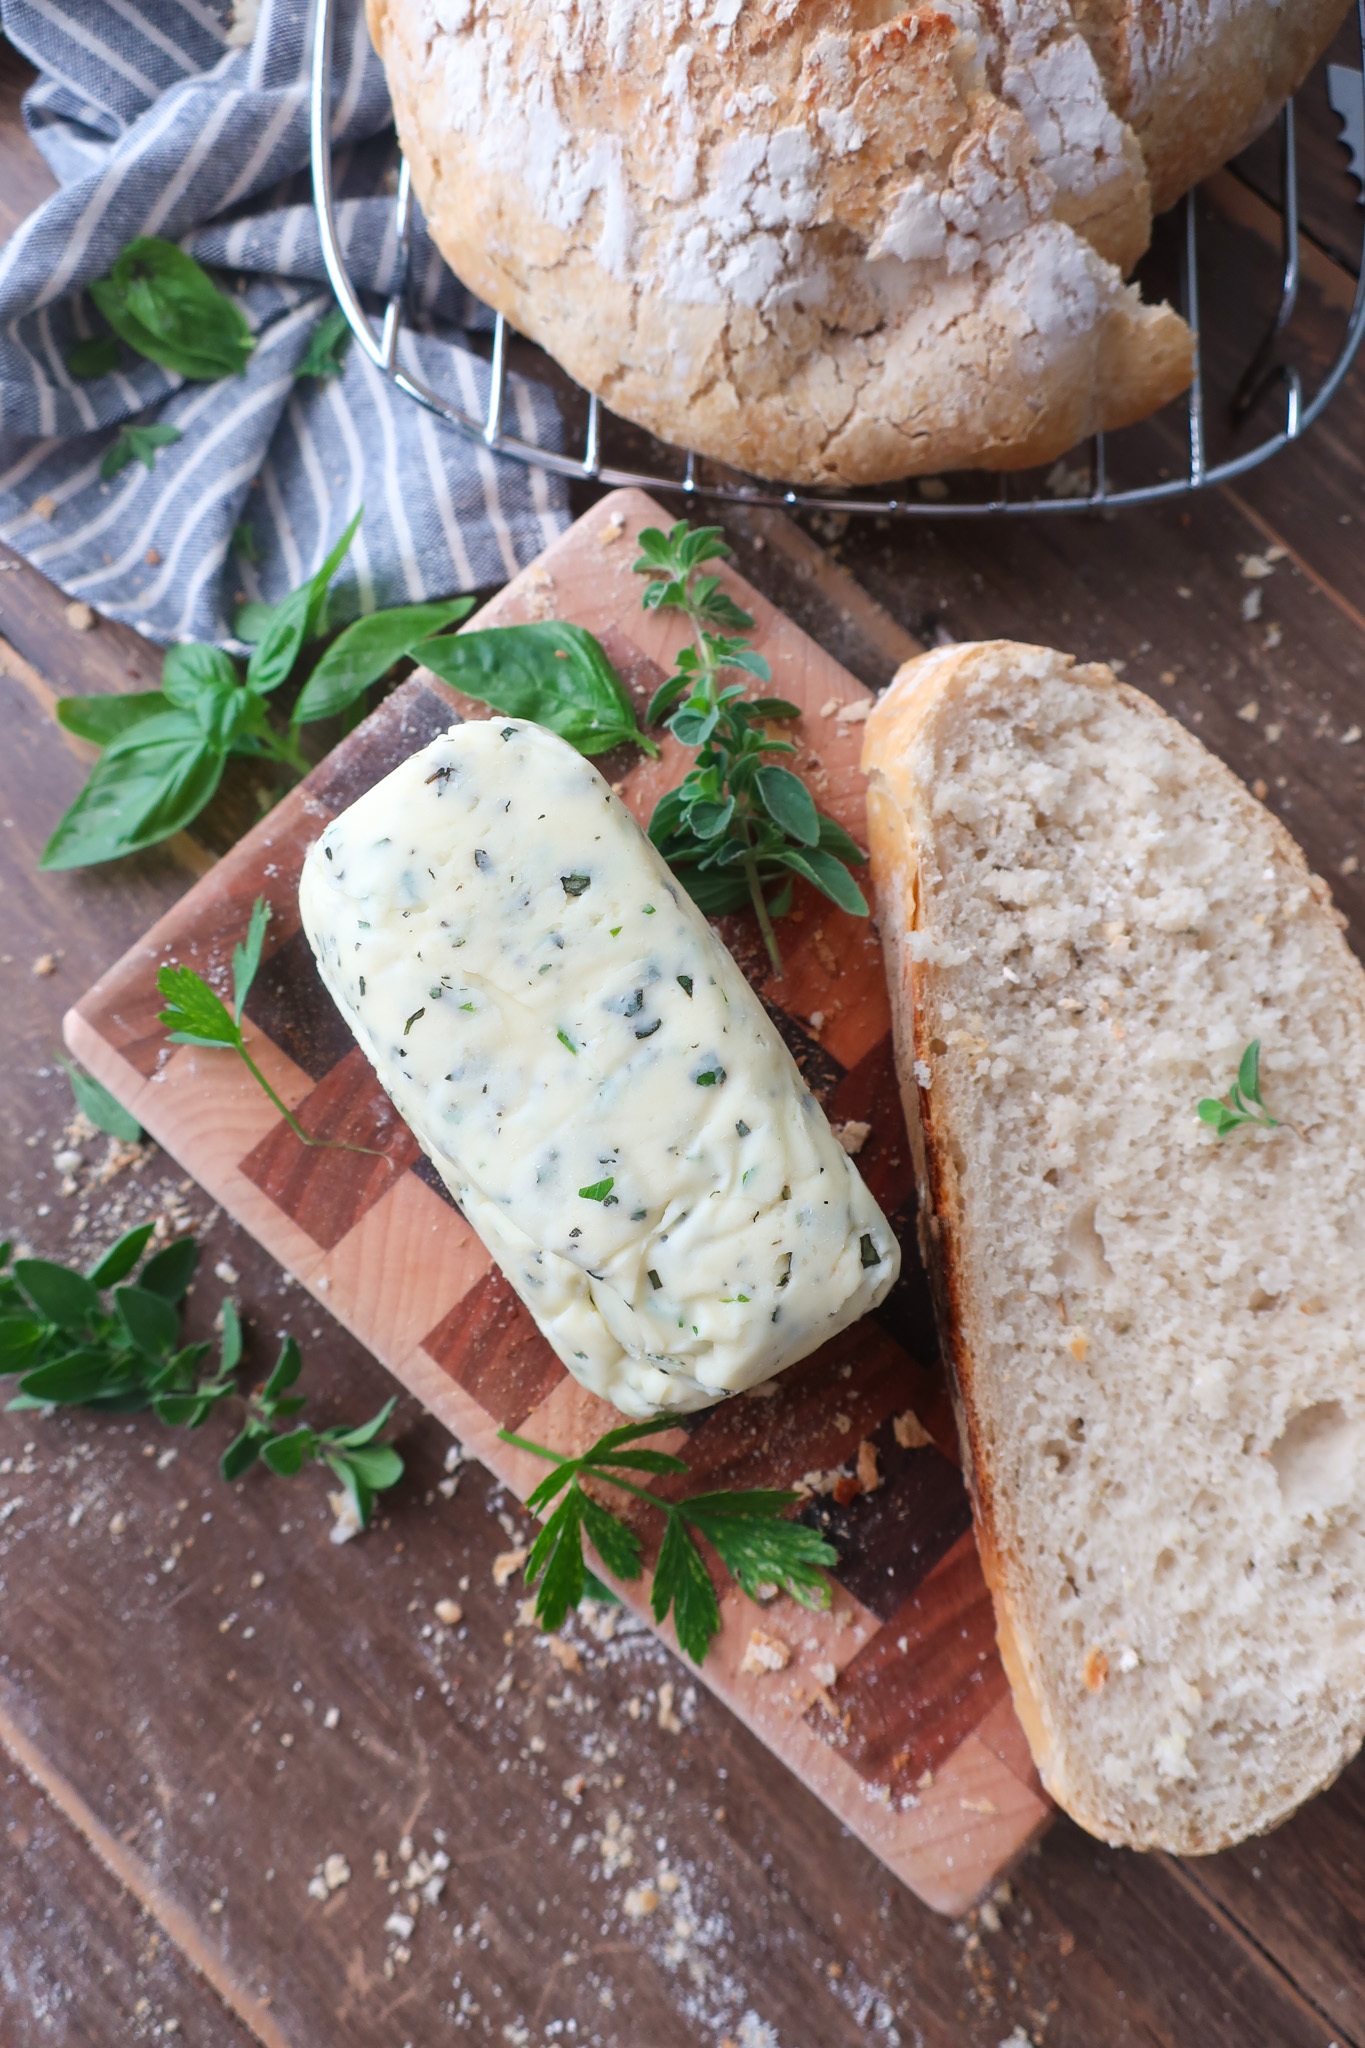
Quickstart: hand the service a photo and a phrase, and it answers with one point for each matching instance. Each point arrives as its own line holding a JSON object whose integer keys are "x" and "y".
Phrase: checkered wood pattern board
{"x": 893, "y": 1707}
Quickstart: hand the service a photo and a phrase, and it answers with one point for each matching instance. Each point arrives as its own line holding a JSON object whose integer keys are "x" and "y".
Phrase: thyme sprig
{"x": 1242, "y": 1104}
{"x": 739, "y": 826}
{"x": 756, "y": 1545}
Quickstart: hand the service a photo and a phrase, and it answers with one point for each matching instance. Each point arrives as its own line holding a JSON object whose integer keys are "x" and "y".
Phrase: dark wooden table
{"x": 202, "y": 1699}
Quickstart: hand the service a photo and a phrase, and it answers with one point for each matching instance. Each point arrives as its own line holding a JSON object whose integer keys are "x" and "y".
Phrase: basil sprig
{"x": 739, "y": 826}
{"x": 551, "y": 672}
{"x": 166, "y": 306}
{"x": 165, "y": 750}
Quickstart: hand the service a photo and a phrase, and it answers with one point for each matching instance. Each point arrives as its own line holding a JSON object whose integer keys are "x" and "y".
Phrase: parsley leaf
{"x": 748, "y": 1530}
{"x": 682, "y": 1582}
{"x": 196, "y": 1015}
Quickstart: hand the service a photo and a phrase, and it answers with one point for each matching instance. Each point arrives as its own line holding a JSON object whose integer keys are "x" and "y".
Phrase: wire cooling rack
{"x": 683, "y": 473}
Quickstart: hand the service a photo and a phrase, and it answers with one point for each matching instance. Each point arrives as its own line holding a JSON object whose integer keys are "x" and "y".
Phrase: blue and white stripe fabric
{"x": 170, "y": 118}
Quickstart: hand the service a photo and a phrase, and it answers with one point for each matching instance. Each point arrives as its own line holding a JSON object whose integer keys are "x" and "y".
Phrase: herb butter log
{"x": 589, "y": 1072}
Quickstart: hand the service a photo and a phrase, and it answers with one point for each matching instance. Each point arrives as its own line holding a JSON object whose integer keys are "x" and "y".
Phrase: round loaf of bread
{"x": 1199, "y": 79}
{"x": 829, "y": 242}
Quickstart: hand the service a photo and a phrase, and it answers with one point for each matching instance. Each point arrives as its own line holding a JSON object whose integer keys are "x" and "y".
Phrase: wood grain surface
{"x": 882, "y": 1704}
{"x": 124, "y": 1697}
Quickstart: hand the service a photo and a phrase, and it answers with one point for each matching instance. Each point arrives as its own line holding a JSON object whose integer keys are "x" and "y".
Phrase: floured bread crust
{"x": 1157, "y": 1335}
{"x": 833, "y": 243}
{"x": 1199, "y": 79}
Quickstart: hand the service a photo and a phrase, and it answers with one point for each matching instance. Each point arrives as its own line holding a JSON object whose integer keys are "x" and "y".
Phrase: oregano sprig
{"x": 1242, "y": 1105}
{"x": 72, "y": 1347}
{"x": 747, "y": 1528}
{"x": 739, "y": 826}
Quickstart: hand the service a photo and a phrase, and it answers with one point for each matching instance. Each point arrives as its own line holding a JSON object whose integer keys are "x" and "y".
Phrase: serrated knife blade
{"x": 1346, "y": 95}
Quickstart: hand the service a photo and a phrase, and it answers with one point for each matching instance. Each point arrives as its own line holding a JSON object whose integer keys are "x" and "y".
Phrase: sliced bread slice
{"x": 1157, "y": 1332}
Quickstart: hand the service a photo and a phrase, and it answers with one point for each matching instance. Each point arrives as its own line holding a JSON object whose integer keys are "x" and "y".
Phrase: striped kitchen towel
{"x": 187, "y": 120}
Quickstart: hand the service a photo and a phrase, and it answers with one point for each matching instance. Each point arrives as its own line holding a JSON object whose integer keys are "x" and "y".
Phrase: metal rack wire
{"x": 1263, "y": 372}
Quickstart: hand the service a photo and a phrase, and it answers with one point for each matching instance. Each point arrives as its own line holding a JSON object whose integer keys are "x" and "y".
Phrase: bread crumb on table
{"x": 911, "y": 1434}
{"x": 507, "y": 1562}
{"x": 765, "y": 1652}
{"x": 78, "y": 615}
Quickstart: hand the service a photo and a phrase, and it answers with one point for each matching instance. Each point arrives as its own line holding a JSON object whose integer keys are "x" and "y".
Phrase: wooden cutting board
{"x": 893, "y": 1706}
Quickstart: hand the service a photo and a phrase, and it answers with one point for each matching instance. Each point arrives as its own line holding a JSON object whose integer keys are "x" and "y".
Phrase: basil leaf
{"x": 282, "y": 629}
{"x": 137, "y": 794}
{"x": 104, "y": 718}
{"x": 320, "y": 583}
{"x": 96, "y": 358}
{"x": 205, "y": 682}
{"x": 188, "y": 672}
{"x": 105, "y": 1112}
{"x": 367, "y": 650}
{"x": 789, "y": 804}
{"x": 551, "y": 672}
{"x": 121, "y": 1258}
{"x": 252, "y": 621}
{"x": 829, "y": 875}
{"x": 63, "y": 1297}
{"x": 164, "y": 305}
{"x": 278, "y": 648}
